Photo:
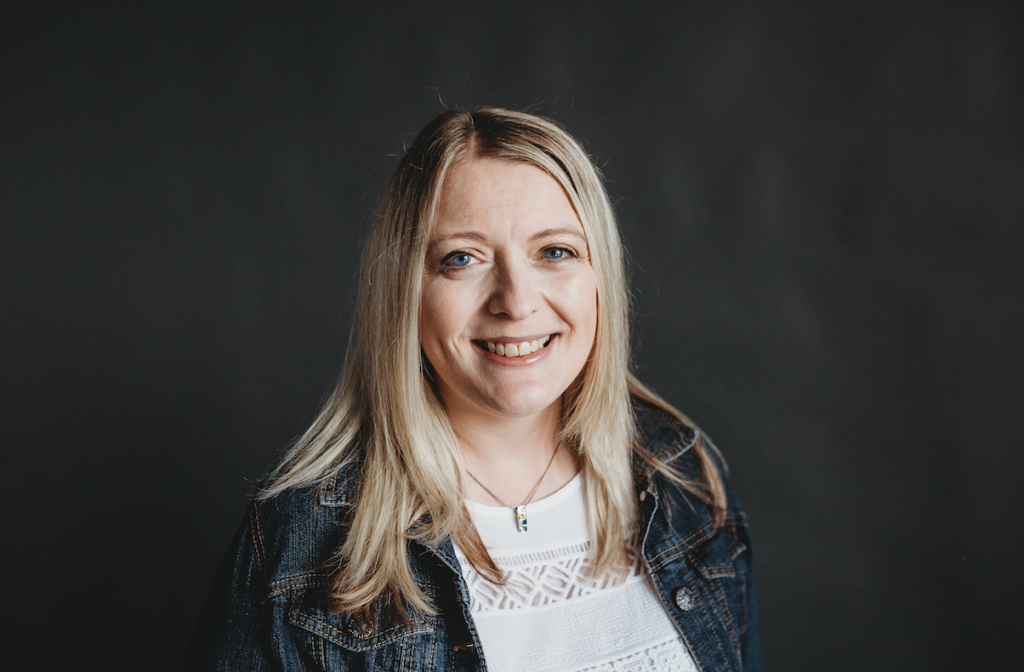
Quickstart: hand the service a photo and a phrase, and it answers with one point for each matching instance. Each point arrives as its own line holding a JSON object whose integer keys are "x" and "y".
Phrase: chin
{"x": 521, "y": 406}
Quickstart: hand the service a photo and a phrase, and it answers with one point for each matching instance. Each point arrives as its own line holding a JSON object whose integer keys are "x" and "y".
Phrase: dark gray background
{"x": 823, "y": 203}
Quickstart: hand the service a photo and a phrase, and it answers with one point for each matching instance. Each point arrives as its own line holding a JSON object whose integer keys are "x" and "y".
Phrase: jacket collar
{"x": 664, "y": 436}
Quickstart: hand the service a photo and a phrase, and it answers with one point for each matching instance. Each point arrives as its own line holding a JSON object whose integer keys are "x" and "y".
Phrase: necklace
{"x": 521, "y": 509}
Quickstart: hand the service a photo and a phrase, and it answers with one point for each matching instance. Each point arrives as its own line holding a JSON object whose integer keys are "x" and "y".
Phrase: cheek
{"x": 440, "y": 318}
{"x": 431, "y": 326}
{"x": 583, "y": 303}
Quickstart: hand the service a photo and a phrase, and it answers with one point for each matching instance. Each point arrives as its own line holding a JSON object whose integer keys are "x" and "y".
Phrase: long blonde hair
{"x": 385, "y": 412}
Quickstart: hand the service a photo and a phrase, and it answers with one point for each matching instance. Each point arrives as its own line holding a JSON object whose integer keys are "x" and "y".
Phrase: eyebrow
{"x": 565, "y": 231}
{"x": 464, "y": 235}
{"x": 473, "y": 235}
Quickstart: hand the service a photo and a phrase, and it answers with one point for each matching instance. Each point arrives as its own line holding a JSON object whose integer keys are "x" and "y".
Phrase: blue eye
{"x": 557, "y": 253}
{"x": 458, "y": 260}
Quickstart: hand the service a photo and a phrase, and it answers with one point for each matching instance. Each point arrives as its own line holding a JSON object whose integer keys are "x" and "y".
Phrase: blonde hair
{"x": 385, "y": 412}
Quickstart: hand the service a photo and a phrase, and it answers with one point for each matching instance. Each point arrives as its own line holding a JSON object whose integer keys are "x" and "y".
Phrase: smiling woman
{"x": 507, "y": 268}
{"x": 489, "y": 374}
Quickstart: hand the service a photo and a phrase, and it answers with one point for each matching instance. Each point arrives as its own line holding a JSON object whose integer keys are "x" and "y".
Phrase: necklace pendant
{"x": 521, "y": 517}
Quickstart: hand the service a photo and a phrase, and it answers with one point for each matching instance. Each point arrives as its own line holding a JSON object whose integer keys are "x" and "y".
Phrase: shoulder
{"x": 670, "y": 439}
{"x": 665, "y": 435}
{"x": 676, "y": 442}
{"x": 296, "y": 532}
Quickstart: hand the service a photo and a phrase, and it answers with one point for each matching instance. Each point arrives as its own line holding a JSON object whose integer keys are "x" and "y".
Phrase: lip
{"x": 505, "y": 340}
{"x": 501, "y": 360}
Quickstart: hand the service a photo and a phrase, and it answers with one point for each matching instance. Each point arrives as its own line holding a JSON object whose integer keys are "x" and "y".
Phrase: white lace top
{"x": 550, "y": 617}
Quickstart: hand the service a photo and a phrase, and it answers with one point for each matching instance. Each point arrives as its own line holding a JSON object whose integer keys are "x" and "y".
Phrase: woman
{"x": 488, "y": 481}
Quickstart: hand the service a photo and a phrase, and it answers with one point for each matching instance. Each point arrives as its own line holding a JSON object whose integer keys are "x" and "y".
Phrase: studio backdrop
{"x": 823, "y": 205}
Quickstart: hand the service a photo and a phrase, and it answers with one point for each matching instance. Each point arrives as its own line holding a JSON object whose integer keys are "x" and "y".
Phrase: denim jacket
{"x": 267, "y": 609}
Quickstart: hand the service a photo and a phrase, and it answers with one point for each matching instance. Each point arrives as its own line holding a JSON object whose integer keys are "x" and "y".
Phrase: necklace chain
{"x": 521, "y": 509}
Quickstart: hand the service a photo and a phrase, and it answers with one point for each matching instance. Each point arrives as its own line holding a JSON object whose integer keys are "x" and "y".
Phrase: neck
{"x": 510, "y": 454}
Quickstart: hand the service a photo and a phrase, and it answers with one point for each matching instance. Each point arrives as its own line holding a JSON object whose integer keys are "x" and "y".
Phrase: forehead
{"x": 487, "y": 191}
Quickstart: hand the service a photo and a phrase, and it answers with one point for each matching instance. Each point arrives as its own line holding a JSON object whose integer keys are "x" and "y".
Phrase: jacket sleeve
{"x": 233, "y": 632}
{"x": 736, "y": 521}
{"x": 750, "y": 642}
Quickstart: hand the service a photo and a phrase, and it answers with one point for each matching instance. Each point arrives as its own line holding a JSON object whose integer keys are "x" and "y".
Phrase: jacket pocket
{"x": 335, "y": 641}
{"x": 721, "y": 562}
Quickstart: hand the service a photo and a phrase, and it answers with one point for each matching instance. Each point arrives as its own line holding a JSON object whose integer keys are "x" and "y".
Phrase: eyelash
{"x": 446, "y": 262}
{"x": 561, "y": 248}
{"x": 447, "y": 266}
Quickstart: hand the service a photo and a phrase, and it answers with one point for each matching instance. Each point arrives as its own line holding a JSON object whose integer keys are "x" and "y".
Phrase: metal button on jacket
{"x": 685, "y": 599}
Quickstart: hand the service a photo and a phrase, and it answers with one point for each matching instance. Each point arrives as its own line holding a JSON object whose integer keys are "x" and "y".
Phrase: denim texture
{"x": 267, "y": 609}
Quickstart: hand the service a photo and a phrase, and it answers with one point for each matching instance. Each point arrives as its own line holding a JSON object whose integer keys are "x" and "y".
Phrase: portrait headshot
{"x": 621, "y": 338}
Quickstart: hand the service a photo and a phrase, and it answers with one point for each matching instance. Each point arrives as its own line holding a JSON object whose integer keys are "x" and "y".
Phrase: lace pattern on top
{"x": 667, "y": 656}
{"x": 541, "y": 578}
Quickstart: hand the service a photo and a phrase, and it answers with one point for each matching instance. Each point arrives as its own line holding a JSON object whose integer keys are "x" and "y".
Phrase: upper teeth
{"x": 517, "y": 349}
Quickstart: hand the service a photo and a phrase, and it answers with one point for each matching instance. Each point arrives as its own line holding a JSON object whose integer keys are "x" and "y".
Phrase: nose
{"x": 515, "y": 293}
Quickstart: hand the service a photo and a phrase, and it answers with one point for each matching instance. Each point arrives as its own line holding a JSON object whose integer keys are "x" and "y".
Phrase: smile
{"x": 520, "y": 349}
